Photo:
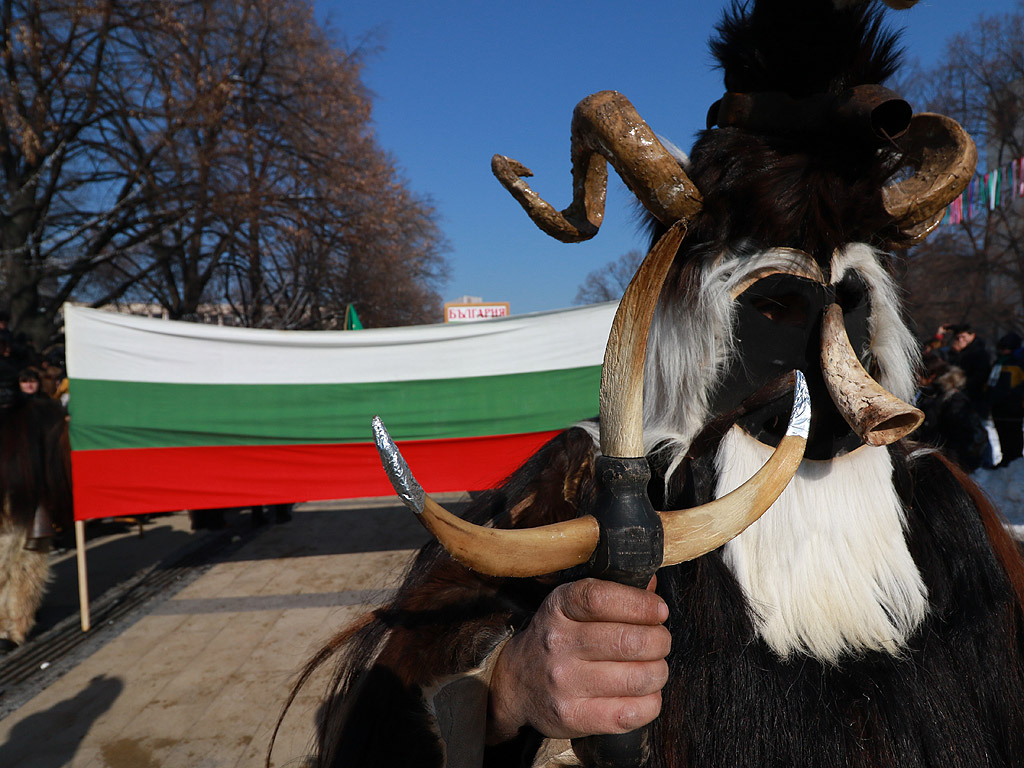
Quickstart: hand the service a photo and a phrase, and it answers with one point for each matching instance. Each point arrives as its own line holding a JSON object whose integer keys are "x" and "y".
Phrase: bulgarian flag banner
{"x": 170, "y": 415}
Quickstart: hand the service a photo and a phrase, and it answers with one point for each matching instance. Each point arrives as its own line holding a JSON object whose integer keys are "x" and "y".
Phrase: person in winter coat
{"x": 968, "y": 353}
{"x": 929, "y": 398}
{"x": 1006, "y": 397}
{"x": 960, "y": 430}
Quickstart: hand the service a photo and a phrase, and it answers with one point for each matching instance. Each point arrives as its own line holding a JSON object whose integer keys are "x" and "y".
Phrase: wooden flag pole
{"x": 83, "y": 582}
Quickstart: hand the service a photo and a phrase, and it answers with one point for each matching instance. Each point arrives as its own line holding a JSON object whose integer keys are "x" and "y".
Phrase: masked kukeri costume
{"x": 872, "y": 616}
{"x": 36, "y": 492}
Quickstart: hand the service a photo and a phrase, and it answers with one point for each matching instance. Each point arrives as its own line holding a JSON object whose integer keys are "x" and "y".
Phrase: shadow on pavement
{"x": 120, "y": 555}
{"x": 51, "y": 738}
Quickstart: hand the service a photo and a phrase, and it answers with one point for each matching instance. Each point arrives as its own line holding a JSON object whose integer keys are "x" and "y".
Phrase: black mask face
{"x": 778, "y": 329}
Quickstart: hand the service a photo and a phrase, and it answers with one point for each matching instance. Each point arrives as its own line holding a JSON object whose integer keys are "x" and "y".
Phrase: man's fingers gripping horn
{"x": 606, "y": 127}
{"x": 689, "y": 533}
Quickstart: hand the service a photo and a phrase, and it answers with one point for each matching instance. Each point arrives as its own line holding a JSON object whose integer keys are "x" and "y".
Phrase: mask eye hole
{"x": 851, "y": 292}
{"x": 785, "y": 308}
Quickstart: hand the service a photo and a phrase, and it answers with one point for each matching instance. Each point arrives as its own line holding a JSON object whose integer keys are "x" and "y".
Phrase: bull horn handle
{"x": 606, "y": 127}
{"x": 517, "y": 552}
{"x": 875, "y": 414}
{"x": 524, "y": 552}
{"x": 690, "y": 533}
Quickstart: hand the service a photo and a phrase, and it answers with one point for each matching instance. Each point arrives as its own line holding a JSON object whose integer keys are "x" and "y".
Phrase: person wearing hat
{"x": 1006, "y": 397}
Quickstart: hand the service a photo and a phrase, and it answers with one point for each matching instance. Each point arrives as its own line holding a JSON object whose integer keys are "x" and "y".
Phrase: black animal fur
{"x": 796, "y": 190}
{"x": 803, "y": 47}
{"x": 954, "y": 699}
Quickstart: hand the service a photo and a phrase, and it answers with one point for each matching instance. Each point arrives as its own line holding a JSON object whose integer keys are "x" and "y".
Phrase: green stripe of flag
{"x": 121, "y": 414}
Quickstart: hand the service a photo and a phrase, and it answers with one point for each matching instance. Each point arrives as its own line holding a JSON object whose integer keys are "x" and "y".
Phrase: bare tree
{"x": 194, "y": 151}
{"x": 62, "y": 211}
{"x": 974, "y": 270}
{"x": 609, "y": 282}
{"x": 285, "y": 190}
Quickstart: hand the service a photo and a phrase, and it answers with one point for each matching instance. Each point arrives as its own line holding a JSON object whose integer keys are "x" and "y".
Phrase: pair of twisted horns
{"x": 606, "y": 127}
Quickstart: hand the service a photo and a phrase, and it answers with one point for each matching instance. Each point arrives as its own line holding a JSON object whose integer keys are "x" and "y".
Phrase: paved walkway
{"x": 200, "y": 678}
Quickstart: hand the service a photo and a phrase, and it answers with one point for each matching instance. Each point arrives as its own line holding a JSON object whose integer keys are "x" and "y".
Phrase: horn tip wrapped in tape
{"x": 800, "y": 417}
{"x": 409, "y": 491}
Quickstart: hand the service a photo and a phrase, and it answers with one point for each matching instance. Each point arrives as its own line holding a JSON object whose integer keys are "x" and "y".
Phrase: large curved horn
{"x": 516, "y": 552}
{"x": 689, "y": 533}
{"x": 523, "y": 552}
{"x": 605, "y": 126}
{"x": 622, "y": 375}
{"x": 875, "y": 414}
{"x": 943, "y": 156}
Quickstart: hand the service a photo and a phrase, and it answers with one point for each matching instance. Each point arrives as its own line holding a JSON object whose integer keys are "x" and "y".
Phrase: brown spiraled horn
{"x": 876, "y": 415}
{"x": 943, "y": 157}
{"x": 605, "y": 126}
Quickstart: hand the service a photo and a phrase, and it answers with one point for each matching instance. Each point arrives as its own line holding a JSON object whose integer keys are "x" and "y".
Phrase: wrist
{"x": 504, "y": 718}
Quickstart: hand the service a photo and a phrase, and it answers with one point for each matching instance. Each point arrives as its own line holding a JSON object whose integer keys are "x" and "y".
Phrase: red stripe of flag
{"x": 113, "y": 483}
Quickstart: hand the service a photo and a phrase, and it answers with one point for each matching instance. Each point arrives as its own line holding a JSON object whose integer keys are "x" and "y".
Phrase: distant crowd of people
{"x": 963, "y": 391}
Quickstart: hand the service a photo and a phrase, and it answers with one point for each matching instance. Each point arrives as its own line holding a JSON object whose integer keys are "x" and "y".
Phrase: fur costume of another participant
{"x": 36, "y": 493}
{"x": 873, "y": 616}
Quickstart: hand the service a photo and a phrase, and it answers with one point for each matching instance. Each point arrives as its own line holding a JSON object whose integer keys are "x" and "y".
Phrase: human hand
{"x": 592, "y": 661}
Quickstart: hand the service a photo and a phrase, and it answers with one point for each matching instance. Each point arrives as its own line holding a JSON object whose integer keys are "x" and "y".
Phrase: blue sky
{"x": 456, "y": 81}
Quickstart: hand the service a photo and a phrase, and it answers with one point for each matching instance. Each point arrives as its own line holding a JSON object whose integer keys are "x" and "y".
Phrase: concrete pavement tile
{"x": 212, "y": 623}
{"x": 252, "y": 579}
{"x": 242, "y": 704}
{"x": 128, "y": 752}
{"x": 139, "y": 691}
{"x": 174, "y": 653}
{"x": 295, "y": 637}
{"x": 294, "y": 743}
{"x": 360, "y": 571}
{"x": 153, "y": 626}
{"x": 220, "y": 752}
{"x": 214, "y": 582}
{"x": 84, "y": 757}
{"x": 50, "y": 756}
{"x": 122, "y": 653}
{"x": 230, "y": 648}
{"x": 191, "y": 685}
{"x": 136, "y": 642}
{"x": 174, "y": 722}
{"x": 202, "y": 682}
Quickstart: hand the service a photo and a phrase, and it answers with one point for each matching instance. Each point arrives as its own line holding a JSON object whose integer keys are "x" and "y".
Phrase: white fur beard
{"x": 826, "y": 570}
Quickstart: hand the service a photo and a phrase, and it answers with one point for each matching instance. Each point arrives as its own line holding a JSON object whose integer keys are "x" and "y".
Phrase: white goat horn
{"x": 874, "y": 413}
{"x": 689, "y": 533}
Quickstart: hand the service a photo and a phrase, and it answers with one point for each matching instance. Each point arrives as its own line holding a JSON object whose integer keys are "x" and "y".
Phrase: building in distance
{"x": 473, "y": 308}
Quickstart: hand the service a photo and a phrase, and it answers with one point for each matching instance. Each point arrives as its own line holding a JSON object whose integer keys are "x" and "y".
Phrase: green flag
{"x": 352, "y": 322}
